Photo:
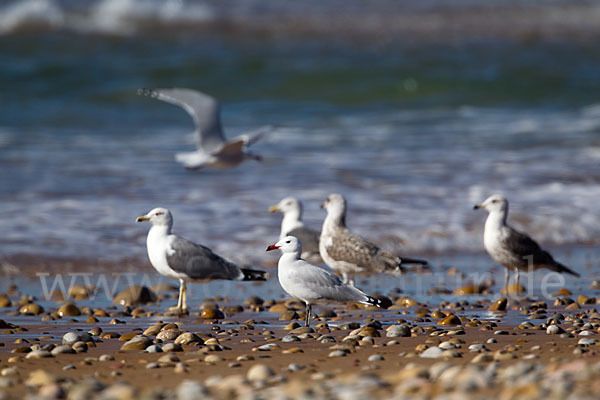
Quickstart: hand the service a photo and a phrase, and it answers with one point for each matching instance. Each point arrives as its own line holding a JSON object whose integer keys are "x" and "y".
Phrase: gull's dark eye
{"x": 288, "y": 241}
{"x": 159, "y": 213}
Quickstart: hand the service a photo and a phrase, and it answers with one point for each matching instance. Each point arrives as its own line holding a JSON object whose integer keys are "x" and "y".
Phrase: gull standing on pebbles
{"x": 212, "y": 148}
{"x": 309, "y": 283}
{"x": 511, "y": 248}
{"x": 175, "y": 257}
{"x": 292, "y": 225}
{"x": 350, "y": 254}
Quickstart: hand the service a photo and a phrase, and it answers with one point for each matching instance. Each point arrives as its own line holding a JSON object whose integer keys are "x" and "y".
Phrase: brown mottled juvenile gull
{"x": 310, "y": 283}
{"x": 292, "y": 225}
{"x": 511, "y": 248}
{"x": 212, "y": 148}
{"x": 350, "y": 254}
{"x": 178, "y": 258}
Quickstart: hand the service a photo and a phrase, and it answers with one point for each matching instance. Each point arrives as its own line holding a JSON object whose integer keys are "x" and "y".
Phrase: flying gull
{"x": 178, "y": 258}
{"x": 212, "y": 148}
{"x": 511, "y": 248}
{"x": 292, "y": 225}
{"x": 310, "y": 283}
{"x": 350, "y": 254}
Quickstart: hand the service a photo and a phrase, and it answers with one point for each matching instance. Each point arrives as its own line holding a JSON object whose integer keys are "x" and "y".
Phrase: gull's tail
{"x": 558, "y": 267}
{"x": 373, "y": 301}
{"x": 406, "y": 260}
{"x": 254, "y": 275}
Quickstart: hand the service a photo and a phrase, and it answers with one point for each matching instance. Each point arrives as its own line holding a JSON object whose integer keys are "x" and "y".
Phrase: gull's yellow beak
{"x": 142, "y": 218}
{"x": 274, "y": 208}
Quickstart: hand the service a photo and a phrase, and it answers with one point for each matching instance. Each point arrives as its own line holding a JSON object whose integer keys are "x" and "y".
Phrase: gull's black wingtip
{"x": 254, "y": 275}
{"x": 147, "y": 92}
{"x": 374, "y": 302}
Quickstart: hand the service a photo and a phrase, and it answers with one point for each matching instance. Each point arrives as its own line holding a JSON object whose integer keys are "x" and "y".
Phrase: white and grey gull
{"x": 175, "y": 257}
{"x": 511, "y": 248}
{"x": 310, "y": 283}
{"x": 292, "y": 225}
{"x": 350, "y": 254}
{"x": 212, "y": 149}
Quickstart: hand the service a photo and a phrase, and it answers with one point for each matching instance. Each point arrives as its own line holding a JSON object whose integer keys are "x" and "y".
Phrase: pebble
{"x": 39, "y": 377}
{"x": 295, "y": 367}
{"x": 188, "y": 338}
{"x": 63, "y": 349}
{"x": 106, "y": 357}
{"x": 211, "y": 313}
{"x": 191, "y": 390}
{"x": 338, "y": 353}
{"x": 134, "y": 295}
{"x": 499, "y": 305}
{"x": 68, "y": 310}
{"x": 582, "y": 342}
{"x": 432, "y": 352}
{"x": 137, "y": 343}
{"x": 153, "y": 349}
{"x": 450, "y": 320}
{"x": 10, "y": 371}
{"x": 554, "y": 330}
{"x": 501, "y": 333}
{"x": 169, "y": 334}
{"x": 375, "y": 357}
{"x": 398, "y": 331}
{"x": 259, "y": 373}
{"x": 213, "y": 358}
{"x": 477, "y": 348}
{"x": 31, "y": 309}
{"x": 290, "y": 338}
{"x": 152, "y": 365}
{"x": 172, "y": 347}
{"x": 39, "y": 354}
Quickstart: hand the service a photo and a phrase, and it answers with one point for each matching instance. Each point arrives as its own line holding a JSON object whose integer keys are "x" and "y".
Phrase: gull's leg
{"x": 517, "y": 281}
{"x": 308, "y": 310}
{"x": 177, "y": 309}
{"x": 184, "y": 301}
{"x": 351, "y": 281}
{"x": 345, "y": 277}
{"x": 506, "y": 276}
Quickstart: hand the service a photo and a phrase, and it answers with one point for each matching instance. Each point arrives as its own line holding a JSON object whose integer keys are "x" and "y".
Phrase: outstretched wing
{"x": 204, "y": 110}
{"x": 251, "y": 137}
{"x": 199, "y": 262}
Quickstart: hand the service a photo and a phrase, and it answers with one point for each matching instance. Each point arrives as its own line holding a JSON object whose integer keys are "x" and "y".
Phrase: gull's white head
{"x": 287, "y": 205}
{"x": 289, "y": 244}
{"x": 335, "y": 205}
{"x": 494, "y": 203}
{"x": 158, "y": 217}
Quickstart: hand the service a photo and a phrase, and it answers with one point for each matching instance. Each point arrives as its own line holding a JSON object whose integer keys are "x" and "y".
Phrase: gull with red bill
{"x": 310, "y": 283}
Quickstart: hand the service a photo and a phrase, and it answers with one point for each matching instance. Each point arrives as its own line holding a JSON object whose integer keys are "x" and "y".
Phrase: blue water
{"x": 412, "y": 133}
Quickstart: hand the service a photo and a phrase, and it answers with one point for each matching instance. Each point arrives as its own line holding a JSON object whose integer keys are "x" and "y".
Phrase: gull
{"x": 511, "y": 248}
{"x": 212, "y": 148}
{"x": 292, "y": 225}
{"x": 175, "y": 257}
{"x": 309, "y": 283}
{"x": 350, "y": 254}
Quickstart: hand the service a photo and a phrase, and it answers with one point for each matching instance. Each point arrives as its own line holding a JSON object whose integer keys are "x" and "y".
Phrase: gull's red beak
{"x": 272, "y": 247}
